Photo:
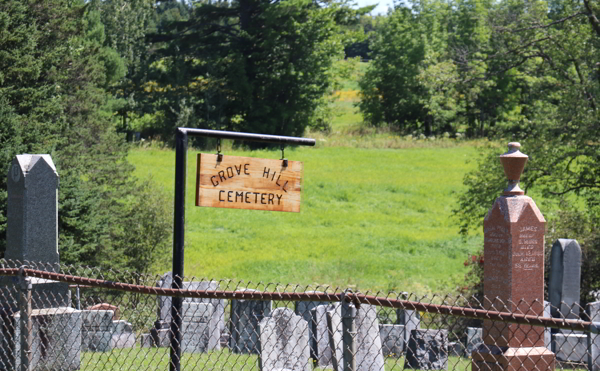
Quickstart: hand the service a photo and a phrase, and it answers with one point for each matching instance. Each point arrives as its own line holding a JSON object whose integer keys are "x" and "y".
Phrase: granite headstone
{"x": 56, "y": 339}
{"x": 334, "y": 325}
{"x": 284, "y": 342}
{"x": 474, "y": 339}
{"x": 565, "y": 279}
{"x": 392, "y": 340}
{"x": 320, "y": 331}
{"x": 369, "y": 356}
{"x": 513, "y": 275}
{"x": 32, "y": 227}
{"x": 303, "y": 309}
{"x": 410, "y": 319}
{"x": 427, "y": 350}
{"x": 245, "y": 317}
{"x": 593, "y": 341}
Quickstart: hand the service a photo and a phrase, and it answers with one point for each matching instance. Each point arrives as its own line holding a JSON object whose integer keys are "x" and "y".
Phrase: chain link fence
{"x": 80, "y": 318}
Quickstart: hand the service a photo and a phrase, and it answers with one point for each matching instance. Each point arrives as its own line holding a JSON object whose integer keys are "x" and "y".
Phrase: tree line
{"x": 78, "y": 78}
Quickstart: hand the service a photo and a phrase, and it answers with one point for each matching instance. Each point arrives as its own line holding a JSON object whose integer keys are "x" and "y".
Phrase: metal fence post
{"x": 181, "y": 145}
{"x": 25, "y": 320}
{"x": 349, "y": 333}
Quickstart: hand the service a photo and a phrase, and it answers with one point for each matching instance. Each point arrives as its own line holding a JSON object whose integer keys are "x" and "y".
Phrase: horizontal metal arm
{"x": 278, "y": 139}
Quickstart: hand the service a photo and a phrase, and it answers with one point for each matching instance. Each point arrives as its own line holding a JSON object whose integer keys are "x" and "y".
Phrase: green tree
{"x": 399, "y": 88}
{"x": 249, "y": 65}
{"x": 552, "y": 48}
{"x": 55, "y": 69}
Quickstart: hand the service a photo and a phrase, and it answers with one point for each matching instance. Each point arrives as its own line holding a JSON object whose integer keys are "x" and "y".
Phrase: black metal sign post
{"x": 181, "y": 145}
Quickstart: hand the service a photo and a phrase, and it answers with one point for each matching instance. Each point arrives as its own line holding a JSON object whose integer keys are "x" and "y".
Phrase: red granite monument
{"x": 513, "y": 277}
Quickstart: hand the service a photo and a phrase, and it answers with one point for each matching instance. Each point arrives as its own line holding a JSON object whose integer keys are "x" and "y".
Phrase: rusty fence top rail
{"x": 355, "y": 298}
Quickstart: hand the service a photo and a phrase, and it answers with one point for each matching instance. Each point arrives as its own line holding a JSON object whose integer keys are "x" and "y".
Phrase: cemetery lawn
{"x": 149, "y": 359}
{"x": 371, "y": 219}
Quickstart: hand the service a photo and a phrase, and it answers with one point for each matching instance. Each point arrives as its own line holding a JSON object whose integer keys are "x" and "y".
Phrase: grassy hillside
{"x": 371, "y": 218}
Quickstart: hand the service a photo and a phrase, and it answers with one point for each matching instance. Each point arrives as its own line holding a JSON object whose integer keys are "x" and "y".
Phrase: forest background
{"x": 81, "y": 80}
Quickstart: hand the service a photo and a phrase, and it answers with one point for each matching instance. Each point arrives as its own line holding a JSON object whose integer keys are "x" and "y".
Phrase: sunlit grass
{"x": 370, "y": 218}
{"x": 150, "y": 359}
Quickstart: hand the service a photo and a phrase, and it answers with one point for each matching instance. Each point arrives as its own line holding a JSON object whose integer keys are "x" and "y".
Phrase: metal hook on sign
{"x": 285, "y": 161}
{"x": 219, "y": 155}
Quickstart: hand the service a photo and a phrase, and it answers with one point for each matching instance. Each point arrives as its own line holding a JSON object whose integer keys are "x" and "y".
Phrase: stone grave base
{"x": 570, "y": 347}
{"x": 44, "y": 293}
{"x": 493, "y": 358}
{"x": 56, "y": 333}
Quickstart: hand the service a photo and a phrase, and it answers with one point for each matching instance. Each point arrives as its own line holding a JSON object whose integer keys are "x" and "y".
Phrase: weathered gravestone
{"x": 303, "y": 309}
{"x": 593, "y": 341}
{"x": 369, "y": 356}
{"x": 513, "y": 276}
{"x": 563, "y": 291}
{"x": 56, "y": 339}
{"x": 284, "y": 342}
{"x": 159, "y": 335}
{"x": 392, "y": 340}
{"x": 565, "y": 279}
{"x": 32, "y": 227}
{"x": 100, "y": 333}
{"x": 547, "y": 330}
{"x": 427, "y": 350}
{"x": 395, "y": 337}
{"x": 200, "y": 329}
{"x": 32, "y": 239}
{"x": 410, "y": 319}
{"x": 334, "y": 327}
{"x": 323, "y": 354}
{"x": 245, "y": 317}
{"x": 369, "y": 349}
{"x": 96, "y": 330}
{"x": 474, "y": 339}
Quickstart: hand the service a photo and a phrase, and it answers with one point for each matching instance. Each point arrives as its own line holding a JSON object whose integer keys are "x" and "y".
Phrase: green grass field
{"x": 370, "y": 218}
{"x": 158, "y": 359}
{"x": 375, "y": 214}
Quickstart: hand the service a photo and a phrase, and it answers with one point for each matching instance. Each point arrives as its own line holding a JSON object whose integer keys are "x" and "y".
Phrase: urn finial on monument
{"x": 513, "y": 282}
{"x": 513, "y": 162}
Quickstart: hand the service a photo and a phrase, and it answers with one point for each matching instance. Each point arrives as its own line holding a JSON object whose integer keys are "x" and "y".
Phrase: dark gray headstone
{"x": 32, "y": 211}
{"x": 593, "y": 340}
{"x": 284, "y": 342}
{"x": 369, "y": 356}
{"x": 303, "y": 309}
{"x": 474, "y": 339}
{"x": 410, "y": 319}
{"x": 164, "y": 302}
{"x": 565, "y": 279}
{"x": 547, "y": 330}
{"x": 323, "y": 351}
{"x": 245, "y": 317}
{"x": 334, "y": 325}
{"x": 392, "y": 340}
{"x": 32, "y": 228}
{"x": 427, "y": 350}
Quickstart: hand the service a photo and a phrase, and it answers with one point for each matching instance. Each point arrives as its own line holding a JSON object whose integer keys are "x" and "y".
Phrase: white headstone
{"x": 369, "y": 356}
{"x": 284, "y": 342}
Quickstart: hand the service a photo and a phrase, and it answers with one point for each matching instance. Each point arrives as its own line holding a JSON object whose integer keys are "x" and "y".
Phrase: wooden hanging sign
{"x": 248, "y": 183}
